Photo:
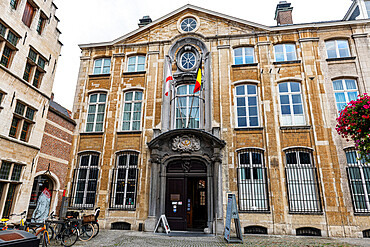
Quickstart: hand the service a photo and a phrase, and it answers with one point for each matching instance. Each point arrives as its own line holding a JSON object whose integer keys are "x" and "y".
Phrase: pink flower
{"x": 366, "y": 107}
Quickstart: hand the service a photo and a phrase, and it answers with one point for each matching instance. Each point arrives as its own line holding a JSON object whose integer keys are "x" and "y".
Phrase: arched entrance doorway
{"x": 38, "y": 186}
{"x": 186, "y": 195}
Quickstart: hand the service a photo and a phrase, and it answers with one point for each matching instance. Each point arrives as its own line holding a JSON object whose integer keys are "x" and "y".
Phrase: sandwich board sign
{"x": 232, "y": 213}
{"x": 164, "y": 223}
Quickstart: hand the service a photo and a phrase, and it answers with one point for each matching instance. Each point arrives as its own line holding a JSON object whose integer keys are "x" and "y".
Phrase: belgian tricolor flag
{"x": 198, "y": 83}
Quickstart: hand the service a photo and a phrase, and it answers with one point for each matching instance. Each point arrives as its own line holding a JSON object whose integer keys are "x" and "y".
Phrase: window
{"x": 188, "y": 60}
{"x": 337, "y": 48}
{"x": 125, "y": 181}
{"x": 345, "y": 90}
{"x": 5, "y": 58}
{"x": 285, "y": 52}
{"x": 187, "y": 107}
{"x": 34, "y": 69}
{"x": 367, "y": 3}
{"x": 2, "y": 94}
{"x": 14, "y": 4}
{"x": 132, "y": 111}
{"x": 22, "y": 121}
{"x": 95, "y": 114}
{"x": 86, "y": 181}
{"x": 252, "y": 182}
{"x": 28, "y": 14}
{"x": 136, "y": 63}
{"x": 302, "y": 184}
{"x": 291, "y": 106}
{"x": 359, "y": 181}
{"x": 188, "y": 24}
{"x": 41, "y": 24}
{"x": 102, "y": 66}
{"x": 10, "y": 175}
{"x": 246, "y": 106}
{"x": 244, "y": 55}
{"x": 2, "y": 29}
{"x": 12, "y": 38}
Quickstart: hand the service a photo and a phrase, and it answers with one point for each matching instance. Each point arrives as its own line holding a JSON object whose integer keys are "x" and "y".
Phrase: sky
{"x": 91, "y": 21}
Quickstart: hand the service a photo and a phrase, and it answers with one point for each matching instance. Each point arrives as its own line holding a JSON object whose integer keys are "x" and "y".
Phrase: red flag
{"x": 168, "y": 79}
{"x": 198, "y": 82}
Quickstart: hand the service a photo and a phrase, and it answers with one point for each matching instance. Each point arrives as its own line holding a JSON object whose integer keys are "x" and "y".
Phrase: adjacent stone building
{"x": 261, "y": 127}
{"x": 29, "y": 50}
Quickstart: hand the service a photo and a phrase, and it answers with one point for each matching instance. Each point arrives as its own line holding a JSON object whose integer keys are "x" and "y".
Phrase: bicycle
{"x": 86, "y": 227}
{"x": 40, "y": 231}
{"x": 66, "y": 231}
{"x": 5, "y": 226}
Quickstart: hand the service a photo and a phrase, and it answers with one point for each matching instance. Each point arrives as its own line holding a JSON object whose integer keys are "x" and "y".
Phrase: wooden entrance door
{"x": 176, "y": 203}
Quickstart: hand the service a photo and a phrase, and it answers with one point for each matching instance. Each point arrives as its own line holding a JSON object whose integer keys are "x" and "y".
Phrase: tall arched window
{"x": 359, "y": 180}
{"x": 291, "y": 104}
{"x": 187, "y": 107}
{"x": 85, "y": 181}
{"x": 124, "y": 184}
{"x": 302, "y": 183}
{"x": 247, "y": 106}
{"x": 252, "y": 182}
{"x": 95, "y": 112}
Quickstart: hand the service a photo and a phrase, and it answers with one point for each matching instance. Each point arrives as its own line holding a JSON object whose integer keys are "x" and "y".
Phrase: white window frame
{"x": 285, "y": 52}
{"x": 101, "y": 68}
{"x": 292, "y": 118}
{"x": 133, "y": 101}
{"x": 95, "y": 113}
{"x": 345, "y": 91}
{"x": 247, "y": 106}
{"x": 188, "y": 96}
{"x": 136, "y": 63}
{"x": 336, "y": 46}
{"x": 253, "y": 192}
{"x": 126, "y": 167}
{"x": 244, "y": 52}
{"x": 88, "y": 168}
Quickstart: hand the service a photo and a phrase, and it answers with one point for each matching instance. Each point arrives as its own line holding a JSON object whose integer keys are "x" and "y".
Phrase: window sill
{"x": 306, "y": 213}
{"x": 301, "y": 127}
{"x": 255, "y": 212}
{"x": 122, "y": 209}
{"x": 244, "y": 65}
{"x": 91, "y": 133}
{"x": 99, "y": 75}
{"x": 340, "y": 59}
{"x": 287, "y": 62}
{"x": 248, "y": 128}
{"x": 129, "y": 132}
{"x": 362, "y": 214}
{"x": 134, "y": 73}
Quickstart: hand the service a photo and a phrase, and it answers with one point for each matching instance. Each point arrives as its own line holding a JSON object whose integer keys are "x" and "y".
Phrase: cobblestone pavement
{"x": 114, "y": 238}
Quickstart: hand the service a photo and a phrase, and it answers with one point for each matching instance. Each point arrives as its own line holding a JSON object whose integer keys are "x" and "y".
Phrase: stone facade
{"x": 223, "y": 141}
{"x": 29, "y": 49}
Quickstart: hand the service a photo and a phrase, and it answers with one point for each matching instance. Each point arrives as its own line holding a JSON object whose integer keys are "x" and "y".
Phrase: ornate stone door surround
{"x": 185, "y": 145}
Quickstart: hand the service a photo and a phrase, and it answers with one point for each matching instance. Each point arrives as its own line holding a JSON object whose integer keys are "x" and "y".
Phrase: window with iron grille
{"x": 132, "y": 110}
{"x": 10, "y": 175}
{"x": 252, "y": 181}
{"x": 302, "y": 182}
{"x": 95, "y": 114}
{"x": 125, "y": 181}
{"x": 85, "y": 181}
{"x": 359, "y": 180}
{"x": 22, "y": 121}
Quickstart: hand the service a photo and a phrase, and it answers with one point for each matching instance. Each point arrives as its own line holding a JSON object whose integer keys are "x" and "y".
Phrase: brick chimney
{"x": 283, "y": 13}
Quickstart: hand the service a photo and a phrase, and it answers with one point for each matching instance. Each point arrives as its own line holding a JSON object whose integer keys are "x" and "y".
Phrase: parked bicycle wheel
{"x": 86, "y": 232}
{"x": 96, "y": 228}
{"x": 69, "y": 236}
{"x": 50, "y": 230}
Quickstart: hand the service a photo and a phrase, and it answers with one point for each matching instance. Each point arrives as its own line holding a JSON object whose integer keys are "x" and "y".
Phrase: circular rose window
{"x": 188, "y": 24}
{"x": 188, "y": 60}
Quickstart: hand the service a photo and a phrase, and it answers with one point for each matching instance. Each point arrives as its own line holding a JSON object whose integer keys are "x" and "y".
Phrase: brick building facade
{"x": 29, "y": 50}
{"x": 261, "y": 127}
